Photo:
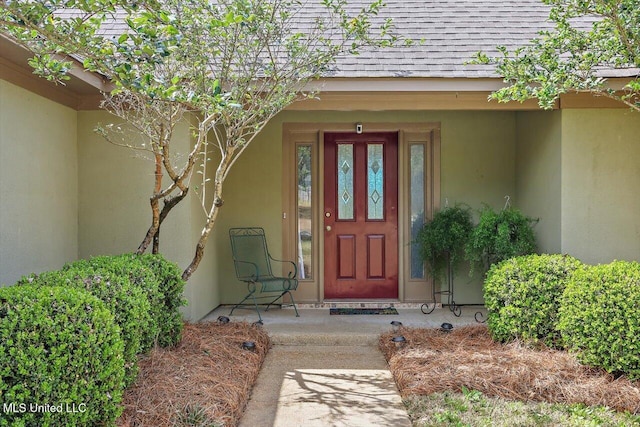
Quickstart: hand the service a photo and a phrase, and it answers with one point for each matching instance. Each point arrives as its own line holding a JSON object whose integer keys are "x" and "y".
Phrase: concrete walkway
{"x": 327, "y": 370}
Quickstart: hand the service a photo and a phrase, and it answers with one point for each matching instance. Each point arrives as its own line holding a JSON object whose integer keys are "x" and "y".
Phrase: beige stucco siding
{"x": 114, "y": 188}
{"x": 252, "y": 198}
{"x": 478, "y": 158}
{"x": 600, "y": 181}
{"x": 478, "y": 166}
{"x": 538, "y": 185}
{"x": 114, "y": 214}
{"x": 203, "y": 289}
{"x": 39, "y": 191}
{"x": 66, "y": 193}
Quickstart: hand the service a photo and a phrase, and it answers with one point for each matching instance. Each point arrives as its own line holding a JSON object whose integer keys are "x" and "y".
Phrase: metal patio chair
{"x": 252, "y": 262}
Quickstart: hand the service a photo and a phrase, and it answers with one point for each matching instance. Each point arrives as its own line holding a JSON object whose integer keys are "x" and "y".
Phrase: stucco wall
{"x": 114, "y": 213}
{"x": 67, "y": 193}
{"x": 600, "y": 181}
{"x": 478, "y": 166}
{"x": 538, "y": 186}
{"x": 39, "y": 191}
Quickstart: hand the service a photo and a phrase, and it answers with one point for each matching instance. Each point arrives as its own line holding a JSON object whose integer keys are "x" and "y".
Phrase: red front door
{"x": 361, "y": 216}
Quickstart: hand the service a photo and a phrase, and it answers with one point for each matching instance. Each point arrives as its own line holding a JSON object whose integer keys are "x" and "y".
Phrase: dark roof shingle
{"x": 447, "y": 34}
{"x": 452, "y": 32}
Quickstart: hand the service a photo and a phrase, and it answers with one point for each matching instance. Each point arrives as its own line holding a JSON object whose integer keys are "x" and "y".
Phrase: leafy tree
{"x": 590, "y": 40}
{"x": 226, "y": 67}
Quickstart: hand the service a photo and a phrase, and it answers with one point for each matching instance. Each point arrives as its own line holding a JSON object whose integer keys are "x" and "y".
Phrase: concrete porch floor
{"x": 326, "y": 370}
{"x": 316, "y": 326}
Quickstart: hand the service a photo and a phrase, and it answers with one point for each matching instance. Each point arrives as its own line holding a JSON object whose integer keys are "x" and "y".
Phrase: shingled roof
{"x": 452, "y": 30}
{"x": 448, "y": 33}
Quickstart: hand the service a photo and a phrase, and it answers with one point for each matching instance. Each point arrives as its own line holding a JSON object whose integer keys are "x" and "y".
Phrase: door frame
{"x": 293, "y": 134}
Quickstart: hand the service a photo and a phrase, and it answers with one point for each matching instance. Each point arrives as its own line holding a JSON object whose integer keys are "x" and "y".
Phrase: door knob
{"x": 328, "y": 228}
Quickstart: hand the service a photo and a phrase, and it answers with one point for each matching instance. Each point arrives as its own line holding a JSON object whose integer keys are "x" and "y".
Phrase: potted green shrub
{"x": 442, "y": 241}
{"x": 499, "y": 236}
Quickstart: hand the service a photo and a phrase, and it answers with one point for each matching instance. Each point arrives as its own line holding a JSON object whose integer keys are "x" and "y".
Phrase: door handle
{"x": 328, "y": 227}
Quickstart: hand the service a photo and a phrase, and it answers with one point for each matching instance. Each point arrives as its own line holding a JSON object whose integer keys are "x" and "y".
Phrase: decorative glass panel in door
{"x": 345, "y": 181}
{"x": 375, "y": 181}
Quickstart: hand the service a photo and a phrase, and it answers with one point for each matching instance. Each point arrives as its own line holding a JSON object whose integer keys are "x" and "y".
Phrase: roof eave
{"x": 405, "y": 84}
{"x": 426, "y": 84}
{"x": 83, "y": 88}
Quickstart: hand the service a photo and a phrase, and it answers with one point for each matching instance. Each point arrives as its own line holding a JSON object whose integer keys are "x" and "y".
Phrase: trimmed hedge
{"x": 171, "y": 286}
{"x": 162, "y": 283}
{"x": 58, "y": 347}
{"x": 130, "y": 268}
{"x": 522, "y": 296}
{"x": 599, "y": 317}
{"x": 128, "y": 303}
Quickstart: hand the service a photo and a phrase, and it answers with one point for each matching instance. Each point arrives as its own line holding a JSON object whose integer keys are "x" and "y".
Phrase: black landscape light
{"x": 223, "y": 319}
{"x": 399, "y": 340}
{"x": 396, "y": 325}
{"x": 446, "y": 327}
{"x": 249, "y": 345}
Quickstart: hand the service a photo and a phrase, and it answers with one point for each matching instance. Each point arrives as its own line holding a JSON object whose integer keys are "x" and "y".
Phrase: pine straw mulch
{"x": 204, "y": 380}
{"x": 434, "y": 361}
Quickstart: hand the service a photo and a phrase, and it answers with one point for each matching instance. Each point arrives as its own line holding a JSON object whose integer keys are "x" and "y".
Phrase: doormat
{"x": 388, "y": 310}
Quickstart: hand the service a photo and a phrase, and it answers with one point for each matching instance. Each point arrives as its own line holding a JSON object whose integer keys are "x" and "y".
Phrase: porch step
{"x": 318, "y": 328}
{"x": 332, "y": 339}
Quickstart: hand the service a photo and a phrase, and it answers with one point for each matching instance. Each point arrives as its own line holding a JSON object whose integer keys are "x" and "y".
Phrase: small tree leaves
{"x": 589, "y": 38}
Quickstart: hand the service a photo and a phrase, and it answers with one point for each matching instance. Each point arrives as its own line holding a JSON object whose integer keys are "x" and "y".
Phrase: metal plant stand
{"x": 448, "y": 292}
{"x": 482, "y": 319}
{"x": 456, "y": 309}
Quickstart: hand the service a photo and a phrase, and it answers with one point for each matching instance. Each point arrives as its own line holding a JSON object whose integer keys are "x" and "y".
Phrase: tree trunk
{"x": 211, "y": 217}
{"x": 204, "y": 236}
{"x": 153, "y": 229}
{"x": 168, "y": 204}
{"x": 156, "y": 242}
{"x": 155, "y": 208}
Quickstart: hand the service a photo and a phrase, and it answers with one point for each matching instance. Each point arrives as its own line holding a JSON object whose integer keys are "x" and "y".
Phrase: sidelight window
{"x": 304, "y": 210}
{"x": 416, "y": 205}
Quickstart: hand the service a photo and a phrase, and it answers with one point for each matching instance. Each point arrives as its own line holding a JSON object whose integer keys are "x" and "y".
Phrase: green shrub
{"x": 499, "y": 236}
{"x": 599, "y": 317}
{"x": 522, "y": 296}
{"x": 160, "y": 280}
{"x": 442, "y": 240}
{"x": 171, "y": 286}
{"x": 139, "y": 275}
{"x": 58, "y": 347}
{"x": 128, "y": 303}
